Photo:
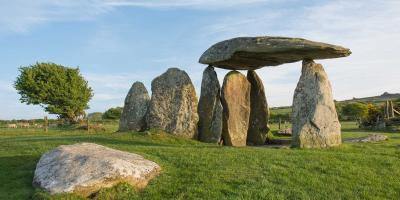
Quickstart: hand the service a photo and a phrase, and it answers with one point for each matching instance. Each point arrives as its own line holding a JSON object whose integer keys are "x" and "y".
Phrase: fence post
{"x": 279, "y": 126}
{"x": 87, "y": 124}
{"x": 46, "y": 124}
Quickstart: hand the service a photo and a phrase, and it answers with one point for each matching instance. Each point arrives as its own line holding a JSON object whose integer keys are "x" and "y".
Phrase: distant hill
{"x": 384, "y": 97}
{"x": 375, "y": 99}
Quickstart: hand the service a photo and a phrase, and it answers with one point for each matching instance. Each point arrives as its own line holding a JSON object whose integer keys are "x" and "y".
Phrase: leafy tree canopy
{"x": 113, "y": 113}
{"x": 355, "y": 110}
{"x": 59, "y": 90}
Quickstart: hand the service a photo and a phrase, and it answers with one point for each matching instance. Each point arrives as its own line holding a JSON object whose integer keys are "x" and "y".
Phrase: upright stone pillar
{"x": 258, "y": 123}
{"x": 210, "y": 107}
{"x": 133, "y": 116}
{"x": 173, "y": 104}
{"x": 236, "y": 109}
{"x": 315, "y": 121}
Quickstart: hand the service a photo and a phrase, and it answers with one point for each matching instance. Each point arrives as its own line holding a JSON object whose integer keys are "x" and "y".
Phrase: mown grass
{"x": 194, "y": 170}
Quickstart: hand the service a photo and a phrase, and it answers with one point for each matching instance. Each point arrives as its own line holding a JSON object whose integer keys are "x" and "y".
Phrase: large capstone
{"x": 315, "y": 121}
{"x": 133, "y": 116}
{"x": 210, "y": 107}
{"x": 236, "y": 109}
{"x": 173, "y": 105}
{"x": 85, "y": 168}
{"x": 258, "y": 123}
{"x": 249, "y": 53}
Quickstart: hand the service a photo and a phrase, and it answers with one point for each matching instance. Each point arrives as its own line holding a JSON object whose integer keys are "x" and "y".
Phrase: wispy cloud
{"x": 21, "y": 15}
{"x": 200, "y": 4}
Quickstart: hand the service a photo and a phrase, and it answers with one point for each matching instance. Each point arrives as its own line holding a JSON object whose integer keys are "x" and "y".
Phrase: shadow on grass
{"x": 16, "y": 175}
{"x": 140, "y": 141}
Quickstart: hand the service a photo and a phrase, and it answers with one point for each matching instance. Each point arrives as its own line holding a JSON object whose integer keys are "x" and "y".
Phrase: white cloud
{"x": 20, "y": 16}
{"x": 202, "y": 4}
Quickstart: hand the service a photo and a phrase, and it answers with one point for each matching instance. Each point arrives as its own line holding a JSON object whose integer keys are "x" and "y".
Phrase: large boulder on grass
{"x": 133, "y": 117}
{"x": 210, "y": 107}
{"x": 85, "y": 168}
{"x": 173, "y": 105}
{"x": 236, "y": 109}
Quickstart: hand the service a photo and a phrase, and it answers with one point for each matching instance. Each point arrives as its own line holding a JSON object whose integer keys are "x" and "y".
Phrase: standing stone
{"x": 210, "y": 107}
{"x": 135, "y": 109}
{"x": 173, "y": 105}
{"x": 315, "y": 121}
{"x": 258, "y": 123}
{"x": 236, "y": 109}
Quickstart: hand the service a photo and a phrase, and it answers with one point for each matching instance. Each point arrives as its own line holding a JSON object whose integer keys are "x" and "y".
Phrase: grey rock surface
{"x": 259, "y": 112}
{"x": 210, "y": 108}
{"x": 236, "y": 109}
{"x": 85, "y": 168}
{"x": 315, "y": 122}
{"x": 369, "y": 138}
{"x": 249, "y": 53}
{"x": 173, "y": 105}
{"x": 133, "y": 116}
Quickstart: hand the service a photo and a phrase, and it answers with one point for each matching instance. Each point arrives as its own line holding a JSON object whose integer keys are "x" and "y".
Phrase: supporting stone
{"x": 258, "y": 123}
{"x": 133, "y": 116}
{"x": 236, "y": 109}
{"x": 315, "y": 121}
{"x": 173, "y": 105}
{"x": 210, "y": 108}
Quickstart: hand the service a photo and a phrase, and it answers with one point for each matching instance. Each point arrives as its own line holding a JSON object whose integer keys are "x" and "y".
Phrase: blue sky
{"x": 118, "y": 42}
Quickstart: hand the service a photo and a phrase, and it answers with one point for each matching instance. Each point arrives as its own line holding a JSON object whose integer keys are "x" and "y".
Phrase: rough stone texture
{"x": 85, "y": 168}
{"x": 236, "y": 109}
{"x": 369, "y": 138}
{"x": 173, "y": 105}
{"x": 210, "y": 107}
{"x": 249, "y": 53}
{"x": 258, "y": 123}
{"x": 315, "y": 121}
{"x": 137, "y": 101}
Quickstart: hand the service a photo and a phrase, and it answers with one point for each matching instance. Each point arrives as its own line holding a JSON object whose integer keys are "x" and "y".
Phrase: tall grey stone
{"x": 173, "y": 105}
{"x": 236, "y": 109}
{"x": 315, "y": 121}
{"x": 210, "y": 107}
{"x": 133, "y": 116}
{"x": 258, "y": 123}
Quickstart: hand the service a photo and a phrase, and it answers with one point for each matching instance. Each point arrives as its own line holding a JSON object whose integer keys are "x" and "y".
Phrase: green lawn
{"x": 194, "y": 170}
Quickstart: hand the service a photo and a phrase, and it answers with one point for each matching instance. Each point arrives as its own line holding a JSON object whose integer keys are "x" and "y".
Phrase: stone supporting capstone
{"x": 210, "y": 107}
{"x": 314, "y": 117}
{"x": 236, "y": 109}
{"x": 258, "y": 123}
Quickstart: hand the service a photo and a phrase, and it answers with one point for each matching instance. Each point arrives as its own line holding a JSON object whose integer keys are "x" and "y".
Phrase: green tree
{"x": 59, "y": 90}
{"x": 355, "y": 111}
{"x": 96, "y": 116}
{"x": 113, "y": 113}
{"x": 374, "y": 113}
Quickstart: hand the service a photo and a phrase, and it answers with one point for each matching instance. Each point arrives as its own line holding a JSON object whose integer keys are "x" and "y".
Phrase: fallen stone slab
{"x": 250, "y": 53}
{"x": 369, "y": 138}
{"x": 85, "y": 168}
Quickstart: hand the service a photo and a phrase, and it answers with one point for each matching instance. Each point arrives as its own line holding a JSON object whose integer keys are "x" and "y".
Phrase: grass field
{"x": 194, "y": 170}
